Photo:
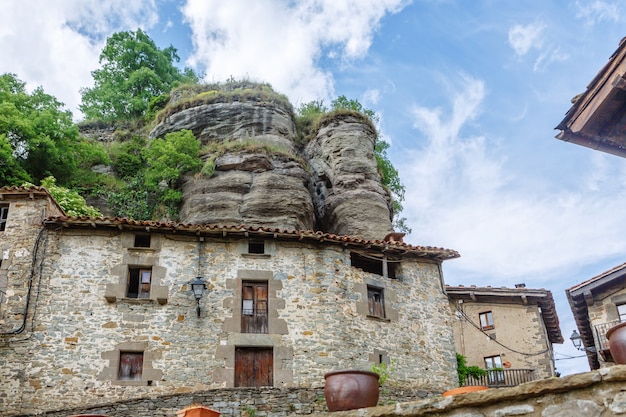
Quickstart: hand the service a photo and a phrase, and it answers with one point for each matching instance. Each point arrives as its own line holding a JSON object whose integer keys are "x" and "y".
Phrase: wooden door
{"x": 254, "y": 307}
{"x": 254, "y": 367}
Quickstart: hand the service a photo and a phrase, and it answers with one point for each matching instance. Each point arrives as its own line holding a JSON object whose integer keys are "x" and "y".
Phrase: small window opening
{"x": 131, "y": 366}
{"x": 256, "y": 246}
{"x": 4, "y": 214}
{"x": 142, "y": 241}
{"x": 373, "y": 265}
{"x": 139, "y": 280}
{"x": 486, "y": 320}
{"x": 621, "y": 312}
{"x": 376, "y": 302}
{"x": 254, "y": 307}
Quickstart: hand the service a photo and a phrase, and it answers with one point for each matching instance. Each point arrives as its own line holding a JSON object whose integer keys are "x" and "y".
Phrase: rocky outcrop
{"x": 252, "y": 189}
{"x": 219, "y": 122}
{"x": 347, "y": 192}
{"x": 333, "y": 185}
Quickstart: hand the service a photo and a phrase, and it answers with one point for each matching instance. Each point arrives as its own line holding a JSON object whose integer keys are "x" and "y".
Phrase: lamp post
{"x": 198, "y": 286}
{"x": 577, "y": 341}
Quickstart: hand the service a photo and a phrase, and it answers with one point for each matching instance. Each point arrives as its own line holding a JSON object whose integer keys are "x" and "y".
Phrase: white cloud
{"x": 523, "y": 38}
{"x": 56, "y": 44}
{"x": 282, "y": 42}
{"x": 462, "y": 194}
{"x": 597, "y": 11}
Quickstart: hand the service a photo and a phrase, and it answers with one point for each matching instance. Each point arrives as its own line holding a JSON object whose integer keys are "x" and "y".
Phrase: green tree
{"x": 134, "y": 70}
{"x": 167, "y": 159}
{"x": 41, "y": 134}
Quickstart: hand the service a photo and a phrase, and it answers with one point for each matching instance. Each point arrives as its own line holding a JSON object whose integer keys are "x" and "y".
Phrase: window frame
{"x": 144, "y": 285}
{"x": 621, "y": 312}
{"x": 383, "y": 266}
{"x": 4, "y": 215}
{"x": 256, "y": 247}
{"x": 372, "y": 293}
{"x": 125, "y": 358}
{"x": 488, "y": 323}
{"x": 141, "y": 239}
{"x": 256, "y": 294}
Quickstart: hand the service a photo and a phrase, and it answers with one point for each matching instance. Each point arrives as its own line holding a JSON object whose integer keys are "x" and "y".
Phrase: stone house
{"x": 598, "y": 304}
{"x": 99, "y": 310}
{"x": 597, "y": 119}
{"x": 508, "y": 329}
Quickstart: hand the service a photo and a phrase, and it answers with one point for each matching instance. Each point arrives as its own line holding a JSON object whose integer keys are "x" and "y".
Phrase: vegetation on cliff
{"x": 137, "y": 87}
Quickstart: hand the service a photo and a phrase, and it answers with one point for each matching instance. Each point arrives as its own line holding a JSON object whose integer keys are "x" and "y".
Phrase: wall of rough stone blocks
{"x": 600, "y": 393}
{"x": 63, "y": 358}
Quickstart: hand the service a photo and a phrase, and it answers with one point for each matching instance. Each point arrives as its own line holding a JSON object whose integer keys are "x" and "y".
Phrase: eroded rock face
{"x": 335, "y": 188}
{"x": 252, "y": 189}
{"x": 347, "y": 191}
{"x": 218, "y": 122}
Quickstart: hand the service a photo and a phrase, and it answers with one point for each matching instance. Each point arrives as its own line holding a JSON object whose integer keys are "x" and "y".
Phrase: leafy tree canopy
{"x": 134, "y": 71}
{"x": 37, "y": 135}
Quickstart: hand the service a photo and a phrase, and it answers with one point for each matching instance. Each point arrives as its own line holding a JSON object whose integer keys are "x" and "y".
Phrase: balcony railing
{"x": 602, "y": 343}
{"x": 503, "y": 378}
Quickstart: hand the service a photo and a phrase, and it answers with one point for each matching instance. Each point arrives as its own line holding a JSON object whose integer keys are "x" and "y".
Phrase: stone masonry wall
{"x": 599, "y": 393}
{"x": 65, "y": 359}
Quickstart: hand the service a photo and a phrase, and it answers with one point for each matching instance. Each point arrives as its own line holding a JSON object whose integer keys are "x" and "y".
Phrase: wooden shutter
{"x": 376, "y": 302}
{"x": 254, "y": 367}
{"x": 254, "y": 307}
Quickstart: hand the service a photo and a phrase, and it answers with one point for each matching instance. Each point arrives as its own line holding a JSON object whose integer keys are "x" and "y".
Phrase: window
{"x": 376, "y": 302}
{"x": 139, "y": 282}
{"x": 621, "y": 312}
{"x": 4, "y": 213}
{"x": 494, "y": 362}
{"x": 486, "y": 320}
{"x": 378, "y": 266}
{"x": 131, "y": 366}
{"x": 142, "y": 241}
{"x": 256, "y": 246}
{"x": 254, "y": 307}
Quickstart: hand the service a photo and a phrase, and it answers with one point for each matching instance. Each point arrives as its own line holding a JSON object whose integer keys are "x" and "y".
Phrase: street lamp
{"x": 577, "y": 341}
{"x": 198, "y": 286}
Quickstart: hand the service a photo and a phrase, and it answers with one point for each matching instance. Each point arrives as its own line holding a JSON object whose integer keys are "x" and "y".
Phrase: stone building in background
{"x": 507, "y": 331}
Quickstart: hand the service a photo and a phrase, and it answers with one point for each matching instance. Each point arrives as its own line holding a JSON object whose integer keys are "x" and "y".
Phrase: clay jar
{"x": 617, "y": 342}
{"x": 351, "y": 389}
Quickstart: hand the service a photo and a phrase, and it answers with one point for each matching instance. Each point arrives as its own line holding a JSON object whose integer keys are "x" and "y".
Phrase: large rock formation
{"x": 266, "y": 180}
{"x": 253, "y": 189}
{"x": 348, "y": 194}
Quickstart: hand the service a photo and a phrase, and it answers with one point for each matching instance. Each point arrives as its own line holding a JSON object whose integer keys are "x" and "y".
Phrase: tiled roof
{"x": 232, "y": 230}
{"x": 31, "y": 192}
{"x": 541, "y": 297}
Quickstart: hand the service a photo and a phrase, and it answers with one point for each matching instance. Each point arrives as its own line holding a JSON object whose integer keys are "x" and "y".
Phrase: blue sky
{"x": 469, "y": 94}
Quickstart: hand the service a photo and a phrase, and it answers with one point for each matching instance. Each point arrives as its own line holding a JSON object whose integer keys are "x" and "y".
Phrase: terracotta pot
{"x": 351, "y": 389}
{"x": 617, "y": 342}
{"x": 197, "y": 411}
{"x": 464, "y": 390}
